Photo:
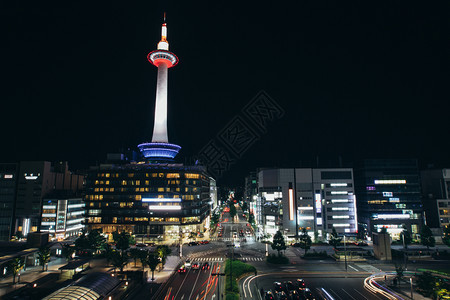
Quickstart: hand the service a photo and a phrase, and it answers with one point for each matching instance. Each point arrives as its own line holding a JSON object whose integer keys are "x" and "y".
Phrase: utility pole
{"x": 218, "y": 281}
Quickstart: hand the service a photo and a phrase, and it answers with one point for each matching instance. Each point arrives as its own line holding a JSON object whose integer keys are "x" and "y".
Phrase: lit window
{"x": 124, "y": 182}
{"x": 130, "y": 175}
{"x": 173, "y": 175}
{"x": 160, "y": 189}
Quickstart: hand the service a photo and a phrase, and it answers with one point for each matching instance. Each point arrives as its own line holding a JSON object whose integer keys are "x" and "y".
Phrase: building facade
{"x": 316, "y": 199}
{"x": 36, "y": 179}
{"x": 389, "y": 195}
{"x": 155, "y": 202}
{"x": 23, "y": 187}
{"x": 8, "y": 189}
{"x": 62, "y": 217}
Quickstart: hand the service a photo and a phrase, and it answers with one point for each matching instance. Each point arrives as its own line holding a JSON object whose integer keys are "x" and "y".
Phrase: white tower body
{"x": 160, "y": 125}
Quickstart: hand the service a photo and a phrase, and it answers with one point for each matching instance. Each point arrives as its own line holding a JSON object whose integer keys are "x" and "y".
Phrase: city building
{"x": 8, "y": 189}
{"x": 316, "y": 199}
{"x": 443, "y": 201}
{"x": 154, "y": 198}
{"x": 389, "y": 195}
{"x": 251, "y": 192}
{"x": 62, "y": 216}
{"x": 22, "y": 189}
{"x": 433, "y": 189}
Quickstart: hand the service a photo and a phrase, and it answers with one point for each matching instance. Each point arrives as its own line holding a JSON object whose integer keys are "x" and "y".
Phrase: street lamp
{"x": 345, "y": 254}
{"x": 218, "y": 281}
{"x": 410, "y": 281}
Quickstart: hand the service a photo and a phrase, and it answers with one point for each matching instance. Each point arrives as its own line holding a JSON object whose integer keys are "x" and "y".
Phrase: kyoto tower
{"x": 160, "y": 150}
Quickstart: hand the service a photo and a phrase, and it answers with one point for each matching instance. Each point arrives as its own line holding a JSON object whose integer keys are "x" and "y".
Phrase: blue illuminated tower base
{"x": 159, "y": 152}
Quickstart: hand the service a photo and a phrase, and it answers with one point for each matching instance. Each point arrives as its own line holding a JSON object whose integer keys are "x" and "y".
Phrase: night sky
{"x": 356, "y": 80}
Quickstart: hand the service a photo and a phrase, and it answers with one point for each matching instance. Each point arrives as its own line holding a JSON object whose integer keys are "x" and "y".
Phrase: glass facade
{"x": 389, "y": 195}
{"x": 146, "y": 199}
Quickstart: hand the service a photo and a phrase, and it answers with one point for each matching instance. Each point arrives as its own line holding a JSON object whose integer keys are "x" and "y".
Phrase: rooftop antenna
{"x": 164, "y": 17}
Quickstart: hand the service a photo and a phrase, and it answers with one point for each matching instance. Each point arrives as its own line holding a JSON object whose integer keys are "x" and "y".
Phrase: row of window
{"x": 153, "y": 175}
{"x": 160, "y": 189}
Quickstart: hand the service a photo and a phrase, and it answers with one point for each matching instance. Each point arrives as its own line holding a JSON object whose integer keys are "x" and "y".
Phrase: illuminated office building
{"x": 62, "y": 216}
{"x": 315, "y": 199}
{"x": 389, "y": 195}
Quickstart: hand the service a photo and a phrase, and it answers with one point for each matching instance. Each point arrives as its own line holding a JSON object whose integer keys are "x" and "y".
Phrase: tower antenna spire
{"x": 164, "y": 17}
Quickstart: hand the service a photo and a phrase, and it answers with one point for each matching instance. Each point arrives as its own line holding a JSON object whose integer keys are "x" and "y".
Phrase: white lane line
{"x": 361, "y": 294}
{"x": 327, "y": 295}
{"x": 335, "y": 294}
{"x": 353, "y": 268}
{"x": 348, "y": 294}
{"x": 195, "y": 283}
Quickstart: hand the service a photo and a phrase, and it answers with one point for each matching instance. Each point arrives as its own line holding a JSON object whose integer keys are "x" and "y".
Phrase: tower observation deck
{"x": 159, "y": 149}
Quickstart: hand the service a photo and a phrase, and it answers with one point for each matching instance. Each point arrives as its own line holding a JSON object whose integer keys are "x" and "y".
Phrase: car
{"x": 182, "y": 270}
{"x": 301, "y": 284}
{"x": 289, "y": 286}
{"x": 278, "y": 287}
{"x": 282, "y": 295}
{"x": 205, "y": 266}
{"x": 204, "y": 242}
{"x": 269, "y": 296}
{"x": 361, "y": 244}
{"x": 295, "y": 295}
{"x": 187, "y": 264}
{"x": 192, "y": 243}
{"x": 308, "y": 294}
{"x": 220, "y": 234}
{"x": 195, "y": 266}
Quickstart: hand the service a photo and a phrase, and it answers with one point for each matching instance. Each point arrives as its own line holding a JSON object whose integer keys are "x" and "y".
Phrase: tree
{"x": 44, "y": 257}
{"x": 15, "y": 266}
{"x": 152, "y": 262}
{"x": 446, "y": 237}
{"x": 405, "y": 236}
{"x": 400, "y": 272}
{"x": 82, "y": 243}
{"x": 334, "y": 239}
{"x": 122, "y": 241}
{"x": 278, "y": 242}
{"x": 96, "y": 240}
{"x": 163, "y": 251}
{"x": 251, "y": 219}
{"x": 136, "y": 253}
{"x": 305, "y": 240}
{"x": 426, "y": 237}
{"x": 426, "y": 284}
{"x": 244, "y": 206}
{"x": 232, "y": 211}
{"x": 118, "y": 260}
{"x": 68, "y": 251}
{"x": 143, "y": 258}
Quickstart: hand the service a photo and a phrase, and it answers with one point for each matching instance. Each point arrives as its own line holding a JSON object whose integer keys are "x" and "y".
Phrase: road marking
{"x": 335, "y": 294}
{"x": 353, "y": 268}
{"x": 195, "y": 283}
{"x": 348, "y": 294}
{"x": 360, "y": 294}
{"x": 328, "y": 296}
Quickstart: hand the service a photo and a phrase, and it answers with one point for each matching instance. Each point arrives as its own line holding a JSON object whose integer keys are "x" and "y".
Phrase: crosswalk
{"x": 218, "y": 259}
{"x": 368, "y": 268}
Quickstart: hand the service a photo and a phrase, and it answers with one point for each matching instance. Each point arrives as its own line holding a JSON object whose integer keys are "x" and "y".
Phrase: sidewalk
{"x": 30, "y": 275}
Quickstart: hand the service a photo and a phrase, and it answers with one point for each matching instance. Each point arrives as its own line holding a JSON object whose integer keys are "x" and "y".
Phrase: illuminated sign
{"x": 387, "y": 194}
{"x": 164, "y": 207}
{"x": 339, "y": 193}
{"x": 393, "y": 216}
{"x": 32, "y": 176}
{"x": 338, "y": 184}
{"x": 161, "y": 200}
{"x": 319, "y": 221}
{"x": 8, "y": 176}
{"x": 394, "y": 200}
{"x": 398, "y": 181}
{"x": 291, "y": 202}
{"x": 318, "y": 203}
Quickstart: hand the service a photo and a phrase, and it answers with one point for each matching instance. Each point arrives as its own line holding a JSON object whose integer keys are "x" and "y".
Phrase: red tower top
{"x": 163, "y": 55}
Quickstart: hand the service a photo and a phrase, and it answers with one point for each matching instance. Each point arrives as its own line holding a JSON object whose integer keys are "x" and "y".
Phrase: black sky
{"x": 356, "y": 79}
